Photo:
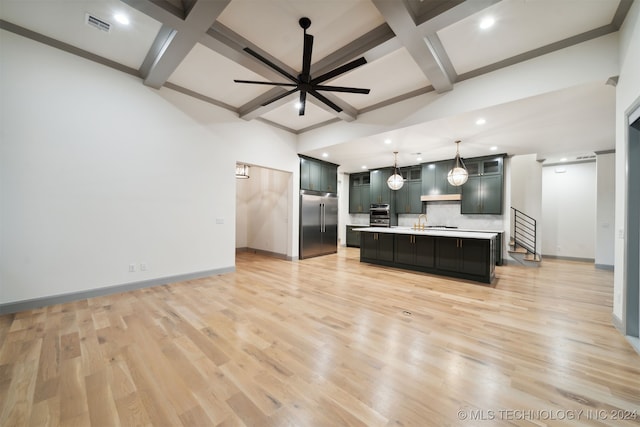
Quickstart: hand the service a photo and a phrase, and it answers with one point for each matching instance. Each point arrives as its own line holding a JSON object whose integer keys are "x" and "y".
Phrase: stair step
{"x": 532, "y": 258}
{"x": 518, "y": 250}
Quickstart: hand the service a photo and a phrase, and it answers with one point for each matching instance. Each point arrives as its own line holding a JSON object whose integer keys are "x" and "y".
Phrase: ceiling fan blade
{"x": 275, "y": 98}
{"x": 340, "y": 70}
{"x": 342, "y": 89}
{"x": 306, "y": 57}
{"x": 325, "y": 100}
{"x": 255, "y": 82}
{"x": 270, "y": 64}
{"x": 303, "y": 102}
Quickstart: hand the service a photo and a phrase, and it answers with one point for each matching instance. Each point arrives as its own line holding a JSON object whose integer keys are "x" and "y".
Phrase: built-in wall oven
{"x": 379, "y": 215}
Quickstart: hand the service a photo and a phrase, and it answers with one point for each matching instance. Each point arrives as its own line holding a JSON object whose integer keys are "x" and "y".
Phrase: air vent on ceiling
{"x": 98, "y": 23}
{"x": 586, "y": 157}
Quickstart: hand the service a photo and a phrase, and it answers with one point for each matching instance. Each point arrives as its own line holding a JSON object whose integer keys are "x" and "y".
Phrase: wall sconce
{"x": 242, "y": 171}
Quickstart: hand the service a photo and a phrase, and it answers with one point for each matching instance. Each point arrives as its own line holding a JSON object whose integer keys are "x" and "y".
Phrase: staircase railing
{"x": 524, "y": 232}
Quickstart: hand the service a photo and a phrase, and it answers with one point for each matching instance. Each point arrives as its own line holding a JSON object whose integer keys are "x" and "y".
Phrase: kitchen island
{"x": 462, "y": 254}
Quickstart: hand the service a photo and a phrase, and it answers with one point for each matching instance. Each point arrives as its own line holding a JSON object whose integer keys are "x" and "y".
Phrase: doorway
{"x": 264, "y": 204}
{"x": 632, "y": 220}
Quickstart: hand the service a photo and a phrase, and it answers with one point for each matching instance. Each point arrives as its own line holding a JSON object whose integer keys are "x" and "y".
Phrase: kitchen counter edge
{"x": 436, "y": 233}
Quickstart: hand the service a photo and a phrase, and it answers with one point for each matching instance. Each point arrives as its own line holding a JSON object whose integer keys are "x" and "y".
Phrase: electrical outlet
{"x": 132, "y": 268}
{"x": 143, "y": 267}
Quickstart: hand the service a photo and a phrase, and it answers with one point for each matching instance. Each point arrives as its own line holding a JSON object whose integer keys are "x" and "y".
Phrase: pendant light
{"x": 458, "y": 175}
{"x": 395, "y": 181}
{"x": 242, "y": 171}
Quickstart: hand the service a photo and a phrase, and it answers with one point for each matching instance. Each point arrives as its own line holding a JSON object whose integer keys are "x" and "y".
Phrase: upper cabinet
{"x": 359, "y": 193}
{"x": 408, "y": 197}
{"x": 318, "y": 175}
{"x": 483, "y": 192}
{"x": 434, "y": 179}
{"x": 379, "y": 190}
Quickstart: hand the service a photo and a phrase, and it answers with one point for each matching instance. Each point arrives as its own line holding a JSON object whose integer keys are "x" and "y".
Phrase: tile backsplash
{"x": 448, "y": 214}
{"x": 443, "y": 213}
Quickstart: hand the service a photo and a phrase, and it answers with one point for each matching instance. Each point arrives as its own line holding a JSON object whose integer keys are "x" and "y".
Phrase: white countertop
{"x": 450, "y": 232}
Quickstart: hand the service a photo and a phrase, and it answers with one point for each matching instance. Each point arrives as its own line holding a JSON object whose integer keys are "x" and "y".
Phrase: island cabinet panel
{"x": 468, "y": 257}
{"x": 376, "y": 246}
{"x": 465, "y": 257}
{"x": 415, "y": 250}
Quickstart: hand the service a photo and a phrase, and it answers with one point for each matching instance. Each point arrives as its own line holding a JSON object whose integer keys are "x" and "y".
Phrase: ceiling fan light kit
{"x": 304, "y": 82}
{"x": 458, "y": 175}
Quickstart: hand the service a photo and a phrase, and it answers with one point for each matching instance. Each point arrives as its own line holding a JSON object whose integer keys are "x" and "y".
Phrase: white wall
{"x": 569, "y": 210}
{"x": 526, "y": 190}
{"x": 98, "y": 171}
{"x": 605, "y": 209}
{"x": 263, "y": 218}
{"x": 627, "y": 97}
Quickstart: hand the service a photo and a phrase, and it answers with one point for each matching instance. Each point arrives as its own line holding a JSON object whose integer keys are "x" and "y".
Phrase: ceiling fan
{"x": 303, "y": 82}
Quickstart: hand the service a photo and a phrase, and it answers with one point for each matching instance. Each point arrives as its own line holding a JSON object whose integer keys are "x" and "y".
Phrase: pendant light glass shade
{"x": 458, "y": 175}
{"x": 395, "y": 181}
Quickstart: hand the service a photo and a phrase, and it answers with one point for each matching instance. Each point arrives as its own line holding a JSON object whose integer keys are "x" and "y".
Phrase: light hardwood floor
{"x": 327, "y": 341}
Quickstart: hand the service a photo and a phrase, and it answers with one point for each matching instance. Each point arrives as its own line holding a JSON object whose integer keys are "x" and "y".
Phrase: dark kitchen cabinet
{"x": 353, "y": 237}
{"x": 483, "y": 192}
{"x": 329, "y": 178}
{"x": 465, "y": 256}
{"x": 415, "y": 250}
{"x": 434, "y": 179}
{"x": 379, "y": 191}
{"x": 359, "y": 193}
{"x": 376, "y": 246}
{"x": 318, "y": 175}
{"x": 408, "y": 197}
{"x": 482, "y": 195}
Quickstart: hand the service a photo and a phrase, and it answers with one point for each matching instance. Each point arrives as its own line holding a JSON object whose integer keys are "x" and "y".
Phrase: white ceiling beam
{"x": 401, "y": 22}
{"x": 177, "y": 36}
{"x": 422, "y": 42}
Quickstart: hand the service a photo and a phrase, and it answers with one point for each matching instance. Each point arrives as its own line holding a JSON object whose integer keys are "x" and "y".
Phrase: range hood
{"x": 441, "y": 197}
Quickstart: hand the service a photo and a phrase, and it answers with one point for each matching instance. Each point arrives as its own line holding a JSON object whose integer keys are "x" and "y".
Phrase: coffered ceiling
{"x": 412, "y": 47}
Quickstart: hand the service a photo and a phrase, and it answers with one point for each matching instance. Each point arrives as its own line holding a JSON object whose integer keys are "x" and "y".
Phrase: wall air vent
{"x": 98, "y": 23}
{"x": 586, "y": 157}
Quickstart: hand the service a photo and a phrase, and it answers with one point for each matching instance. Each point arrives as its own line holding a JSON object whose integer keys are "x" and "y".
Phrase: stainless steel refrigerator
{"x": 318, "y": 223}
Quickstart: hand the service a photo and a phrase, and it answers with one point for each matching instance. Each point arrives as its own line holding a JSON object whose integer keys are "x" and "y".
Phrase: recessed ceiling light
{"x": 480, "y": 121}
{"x": 121, "y": 18}
{"x": 387, "y": 141}
{"x": 564, "y": 159}
{"x": 364, "y": 167}
{"x": 325, "y": 154}
{"x": 418, "y": 159}
{"x": 494, "y": 148}
{"x": 487, "y": 22}
{"x": 297, "y": 105}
